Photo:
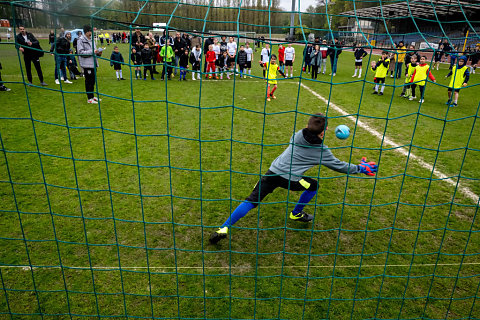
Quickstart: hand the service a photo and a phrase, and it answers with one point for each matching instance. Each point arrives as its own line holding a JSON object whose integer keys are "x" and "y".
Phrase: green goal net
{"x": 107, "y": 207}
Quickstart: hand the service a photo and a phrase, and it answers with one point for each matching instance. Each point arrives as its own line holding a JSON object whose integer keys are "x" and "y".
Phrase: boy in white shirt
{"x": 249, "y": 52}
{"x": 232, "y": 52}
{"x": 265, "y": 57}
{"x": 289, "y": 59}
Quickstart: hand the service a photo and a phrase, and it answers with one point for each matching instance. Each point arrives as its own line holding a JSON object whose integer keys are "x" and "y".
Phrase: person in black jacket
{"x": 147, "y": 61}
{"x": 75, "y": 41}
{"x": 51, "y": 40}
{"x": 408, "y": 56}
{"x": 359, "y": 54}
{"x": 179, "y": 46}
{"x": 27, "y": 43}
{"x": 138, "y": 40}
{"x": 183, "y": 63}
{"x": 334, "y": 52}
{"x": 136, "y": 58}
{"x": 187, "y": 40}
{"x": 307, "y": 51}
{"x": 242, "y": 62}
{"x": 116, "y": 60}
{"x": 166, "y": 37}
{"x": 62, "y": 50}
{"x": 2, "y": 86}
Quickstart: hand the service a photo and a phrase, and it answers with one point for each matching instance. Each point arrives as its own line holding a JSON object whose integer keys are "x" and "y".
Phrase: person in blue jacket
{"x": 306, "y": 150}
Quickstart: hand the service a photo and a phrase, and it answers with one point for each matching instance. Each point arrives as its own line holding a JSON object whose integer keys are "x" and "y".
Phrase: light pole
{"x": 292, "y": 20}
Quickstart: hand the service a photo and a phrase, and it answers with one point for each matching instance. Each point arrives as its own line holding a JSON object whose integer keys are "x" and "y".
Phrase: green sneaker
{"x": 218, "y": 235}
{"x": 301, "y": 216}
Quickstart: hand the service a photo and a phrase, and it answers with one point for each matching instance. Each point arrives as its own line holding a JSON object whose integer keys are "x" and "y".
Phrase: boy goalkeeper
{"x": 305, "y": 151}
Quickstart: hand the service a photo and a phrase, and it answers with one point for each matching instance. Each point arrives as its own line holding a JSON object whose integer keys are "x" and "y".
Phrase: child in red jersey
{"x": 210, "y": 57}
{"x": 281, "y": 57}
{"x": 419, "y": 77}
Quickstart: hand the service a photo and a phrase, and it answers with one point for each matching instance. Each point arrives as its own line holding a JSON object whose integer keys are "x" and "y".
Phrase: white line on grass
{"x": 402, "y": 150}
{"x": 27, "y": 268}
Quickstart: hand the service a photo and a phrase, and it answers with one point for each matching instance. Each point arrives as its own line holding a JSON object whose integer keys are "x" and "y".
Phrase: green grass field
{"x": 112, "y": 204}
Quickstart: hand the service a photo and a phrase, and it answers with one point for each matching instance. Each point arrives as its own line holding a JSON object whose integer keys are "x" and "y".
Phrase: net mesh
{"x": 106, "y": 209}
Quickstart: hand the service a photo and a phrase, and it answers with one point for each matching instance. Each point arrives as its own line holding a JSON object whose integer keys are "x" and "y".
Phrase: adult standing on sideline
{"x": 26, "y": 43}
{"x": 79, "y": 34}
{"x": 408, "y": 56}
{"x": 51, "y": 40}
{"x": 62, "y": 49}
{"x": 401, "y": 51}
{"x": 138, "y": 40}
{"x": 88, "y": 61}
{"x": 334, "y": 52}
{"x": 186, "y": 38}
{"x": 166, "y": 37}
{"x": 179, "y": 47}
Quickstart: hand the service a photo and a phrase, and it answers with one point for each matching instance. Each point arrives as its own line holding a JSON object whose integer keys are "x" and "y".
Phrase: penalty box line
{"x": 398, "y": 148}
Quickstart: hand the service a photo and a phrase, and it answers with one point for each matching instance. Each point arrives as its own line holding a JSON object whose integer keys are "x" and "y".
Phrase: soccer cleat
{"x": 3, "y": 88}
{"x": 43, "y": 84}
{"x": 92, "y": 101}
{"x": 218, "y": 235}
{"x": 380, "y": 93}
{"x": 421, "y": 100}
{"x": 268, "y": 99}
{"x": 273, "y": 97}
{"x": 412, "y": 98}
{"x": 354, "y": 76}
{"x": 402, "y": 94}
{"x": 96, "y": 99}
{"x": 301, "y": 216}
{"x": 57, "y": 82}
{"x": 67, "y": 81}
{"x": 453, "y": 105}
{"x": 375, "y": 92}
{"x": 448, "y": 102}
{"x": 359, "y": 76}
{"x": 123, "y": 79}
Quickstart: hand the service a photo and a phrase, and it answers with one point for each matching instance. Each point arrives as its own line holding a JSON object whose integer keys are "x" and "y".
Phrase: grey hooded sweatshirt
{"x": 307, "y": 155}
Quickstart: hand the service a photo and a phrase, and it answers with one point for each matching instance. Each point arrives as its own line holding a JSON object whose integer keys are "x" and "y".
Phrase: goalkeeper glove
{"x": 367, "y": 167}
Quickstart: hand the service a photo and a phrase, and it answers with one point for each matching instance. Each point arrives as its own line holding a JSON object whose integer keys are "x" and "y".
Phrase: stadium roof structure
{"x": 418, "y": 8}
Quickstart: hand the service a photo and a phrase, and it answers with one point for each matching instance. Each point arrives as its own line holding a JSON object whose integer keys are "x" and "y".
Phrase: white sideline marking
{"x": 402, "y": 150}
{"x": 28, "y": 268}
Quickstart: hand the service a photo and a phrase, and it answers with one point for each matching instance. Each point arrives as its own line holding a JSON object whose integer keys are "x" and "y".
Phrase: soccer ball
{"x": 342, "y": 132}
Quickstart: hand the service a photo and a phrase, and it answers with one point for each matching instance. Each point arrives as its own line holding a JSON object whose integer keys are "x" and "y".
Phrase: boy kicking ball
{"x": 271, "y": 69}
{"x": 305, "y": 151}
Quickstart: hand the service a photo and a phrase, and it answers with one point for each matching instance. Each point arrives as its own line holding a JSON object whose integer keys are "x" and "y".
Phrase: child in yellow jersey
{"x": 419, "y": 77}
{"x": 410, "y": 67}
{"x": 381, "y": 68}
{"x": 460, "y": 76}
{"x": 271, "y": 72}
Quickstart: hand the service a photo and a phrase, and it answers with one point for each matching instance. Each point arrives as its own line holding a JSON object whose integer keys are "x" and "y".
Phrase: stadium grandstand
{"x": 428, "y": 21}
